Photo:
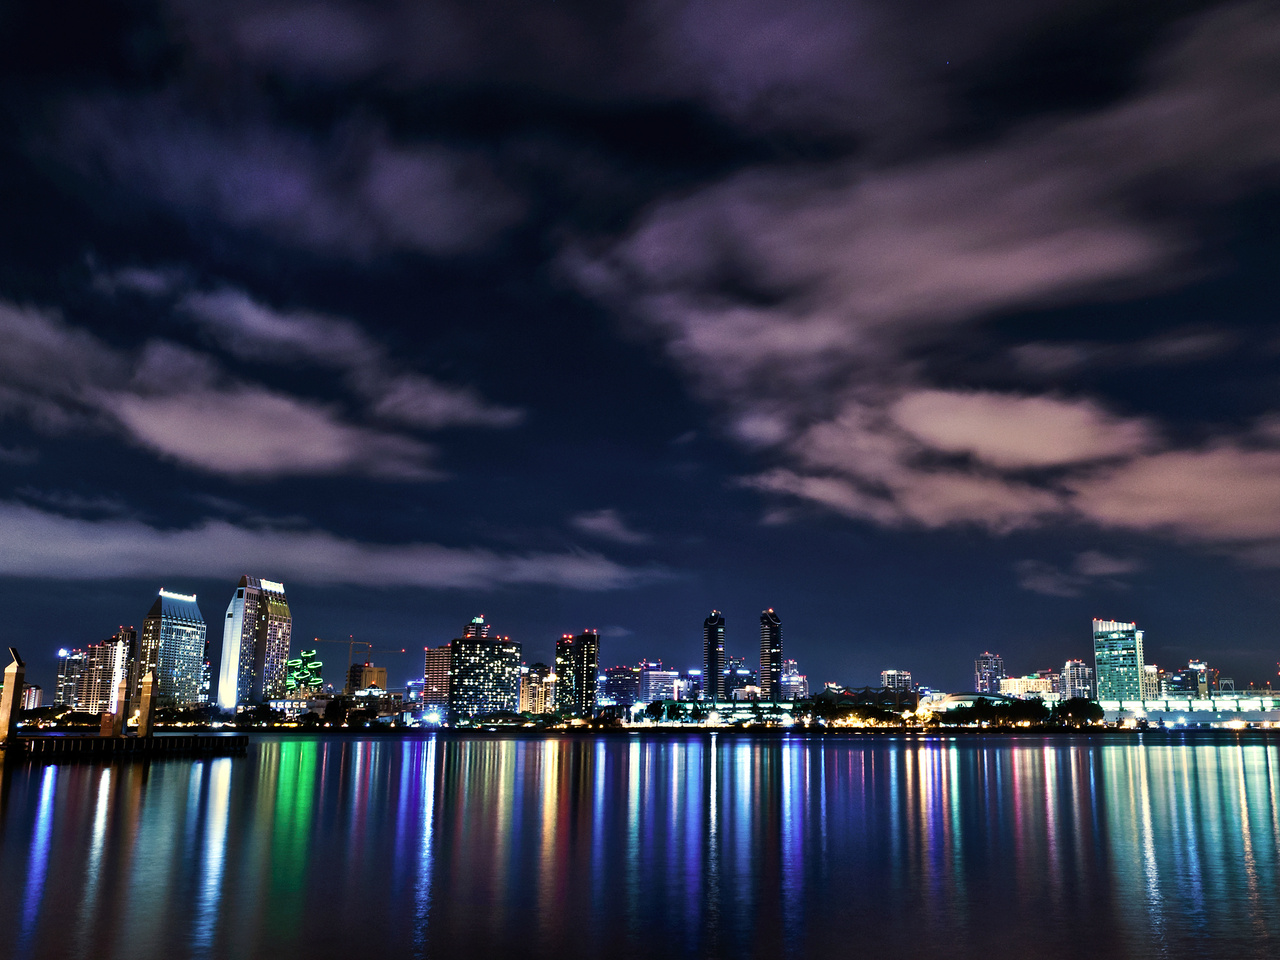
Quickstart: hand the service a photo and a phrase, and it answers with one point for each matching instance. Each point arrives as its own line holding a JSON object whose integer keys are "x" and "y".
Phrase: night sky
{"x": 937, "y": 327}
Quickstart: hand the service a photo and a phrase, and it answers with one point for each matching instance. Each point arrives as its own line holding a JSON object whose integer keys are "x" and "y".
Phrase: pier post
{"x": 15, "y": 676}
{"x": 122, "y": 707}
{"x": 147, "y": 708}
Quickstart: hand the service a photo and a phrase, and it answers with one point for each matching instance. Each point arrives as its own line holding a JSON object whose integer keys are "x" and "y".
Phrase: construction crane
{"x": 352, "y": 643}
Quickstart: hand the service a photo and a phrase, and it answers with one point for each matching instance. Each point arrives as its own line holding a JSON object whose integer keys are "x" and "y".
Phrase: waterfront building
{"x": 622, "y": 685}
{"x": 70, "y": 666}
{"x": 1118, "y": 660}
{"x": 1196, "y": 680}
{"x": 1151, "y": 681}
{"x": 795, "y": 685}
{"x": 105, "y": 665}
{"x": 657, "y": 683}
{"x": 713, "y": 663}
{"x": 1026, "y": 688}
{"x": 1076, "y": 680}
{"x": 577, "y": 670}
{"x": 537, "y": 688}
{"x": 435, "y": 677}
{"x": 689, "y": 686}
{"x": 895, "y": 679}
{"x": 172, "y": 645}
{"x": 32, "y": 697}
{"x": 303, "y": 679}
{"x": 255, "y": 644}
{"x": 484, "y": 673}
{"x": 362, "y": 676}
{"x": 770, "y": 655}
{"x": 988, "y": 671}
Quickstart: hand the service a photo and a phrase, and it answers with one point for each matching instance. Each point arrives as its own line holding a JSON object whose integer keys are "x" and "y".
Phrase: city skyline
{"x": 938, "y": 330}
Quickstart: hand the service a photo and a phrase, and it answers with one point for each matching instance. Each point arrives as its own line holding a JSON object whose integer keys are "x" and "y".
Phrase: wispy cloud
{"x": 608, "y": 524}
{"x": 1090, "y": 569}
{"x": 44, "y": 544}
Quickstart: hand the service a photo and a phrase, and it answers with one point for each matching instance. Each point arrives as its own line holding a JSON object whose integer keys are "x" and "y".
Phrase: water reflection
{"x": 627, "y": 847}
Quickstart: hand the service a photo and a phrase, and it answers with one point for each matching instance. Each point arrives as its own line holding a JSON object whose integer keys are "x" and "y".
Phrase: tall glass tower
{"x": 1117, "y": 658}
{"x": 713, "y": 656}
{"x": 484, "y": 673}
{"x": 255, "y": 644}
{"x": 770, "y": 656}
{"x": 577, "y": 670}
{"x": 172, "y": 644}
{"x": 988, "y": 671}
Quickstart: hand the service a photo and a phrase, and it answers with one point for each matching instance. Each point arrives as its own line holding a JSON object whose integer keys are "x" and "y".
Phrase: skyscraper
{"x": 105, "y": 664}
{"x": 1117, "y": 658}
{"x": 795, "y": 685}
{"x": 770, "y": 655}
{"x": 435, "y": 678}
{"x": 988, "y": 671}
{"x": 1076, "y": 680}
{"x": 713, "y": 664}
{"x": 622, "y": 685}
{"x": 484, "y": 673}
{"x": 577, "y": 668}
{"x": 173, "y": 637}
{"x": 70, "y": 666}
{"x": 656, "y": 683}
{"x": 537, "y": 689}
{"x": 362, "y": 676}
{"x": 255, "y": 644}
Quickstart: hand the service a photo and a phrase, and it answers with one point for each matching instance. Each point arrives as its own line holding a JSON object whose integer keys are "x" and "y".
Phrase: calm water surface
{"x": 725, "y": 846}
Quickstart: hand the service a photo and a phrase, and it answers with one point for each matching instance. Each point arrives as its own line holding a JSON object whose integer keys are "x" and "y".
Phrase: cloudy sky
{"x": 936, "y": 327}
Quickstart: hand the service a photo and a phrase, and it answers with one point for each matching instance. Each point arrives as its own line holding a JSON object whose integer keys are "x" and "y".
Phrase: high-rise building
{"x": 770, "y": 655}
{"x": 1076, "y": 680}
{"x": 622, "y": 685}
{"x": 1117, "y": 657}
{"x": 105, "y": 665}
{"x": 70, "y": 665}
{"x": 255, "y": 644}
{"x": 713, "y": 664}
{"x": 988, "y": 671}
{"x": 657, "y": 683}
{"x": 895, "y": 679}
{"x": 484, "y": 673}
{"x": 1195, "y": 681}
{"x": 1026, "y": 688}
{"x": 32, "y": 697}
{"x": 1151, "y": 676}
{"x": 689, "y": 686}
{"x": 738, "y": 676}
{"x": 537, "y": 689}
{"x": 173, "y": 636}
{"x": 577, "y": 667}
{"x": 435, "y": 678}
{"x": 795, "y": 685}
{"x": 362, "y": 676}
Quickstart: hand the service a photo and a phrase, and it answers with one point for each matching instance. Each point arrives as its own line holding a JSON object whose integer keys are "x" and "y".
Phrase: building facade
{"x": 895, "y": 679}
{"x": 657, "y": 683}
{"x": 105, "y": 665}
{"x": 988, "y": 671}
{"x": 795, "y": 685}
{"x": 1025, "y": 688}
{"x": 1118, "y": 660}
{"x": 537, "y": 689}
{"x": 362, "y": 676}
{"x": 435, "y": 677}
{"x": 255, "y": 644}
{"x": 577, "y": 673}
{"x": 70, "y": 666}
{"x": 770, "y": 655}
{"x": 32, "y": 697}
{"x": 622, "y": 685}
{"x": 173, "y": 645}
{"x": 713, "y": 664}
{"x": 484, "y": 676}
{"x": 1076, "y": 680}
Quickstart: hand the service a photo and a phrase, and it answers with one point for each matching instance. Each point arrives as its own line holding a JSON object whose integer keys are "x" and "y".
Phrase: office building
{"x": 737, "y": 676}
{"x": 435, "y": 677}
{"x": 1197, "y": 680}
{"x": 770, "y": 656}
{"x": 1076, "y": 680}
{"x": 577, "y": 670}
{"x": 1117, "y": 658}
{"x": 537, "y": 689}
{"x": 895, "y": 679}
{"x": 795, "y": 685}
{"x": 70, "y": 666}
{"x": 657, "y": 683}
{"x": 1034, "y": 687}
{"x": 105, "y": 665}
{"x": 713, "y": 665}
{"x": 362, "y": 676}
{"x": 484, "y": 673}
{"x": 173, "y": 645}
{"x": 32, "y": 697}
{"x": 622, "y": 685}
{"x": 988, "y": 671}
{"x": 1151, "y": 681}
{"x": 689, "y": 686}
{"x": 255, "y": 644}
